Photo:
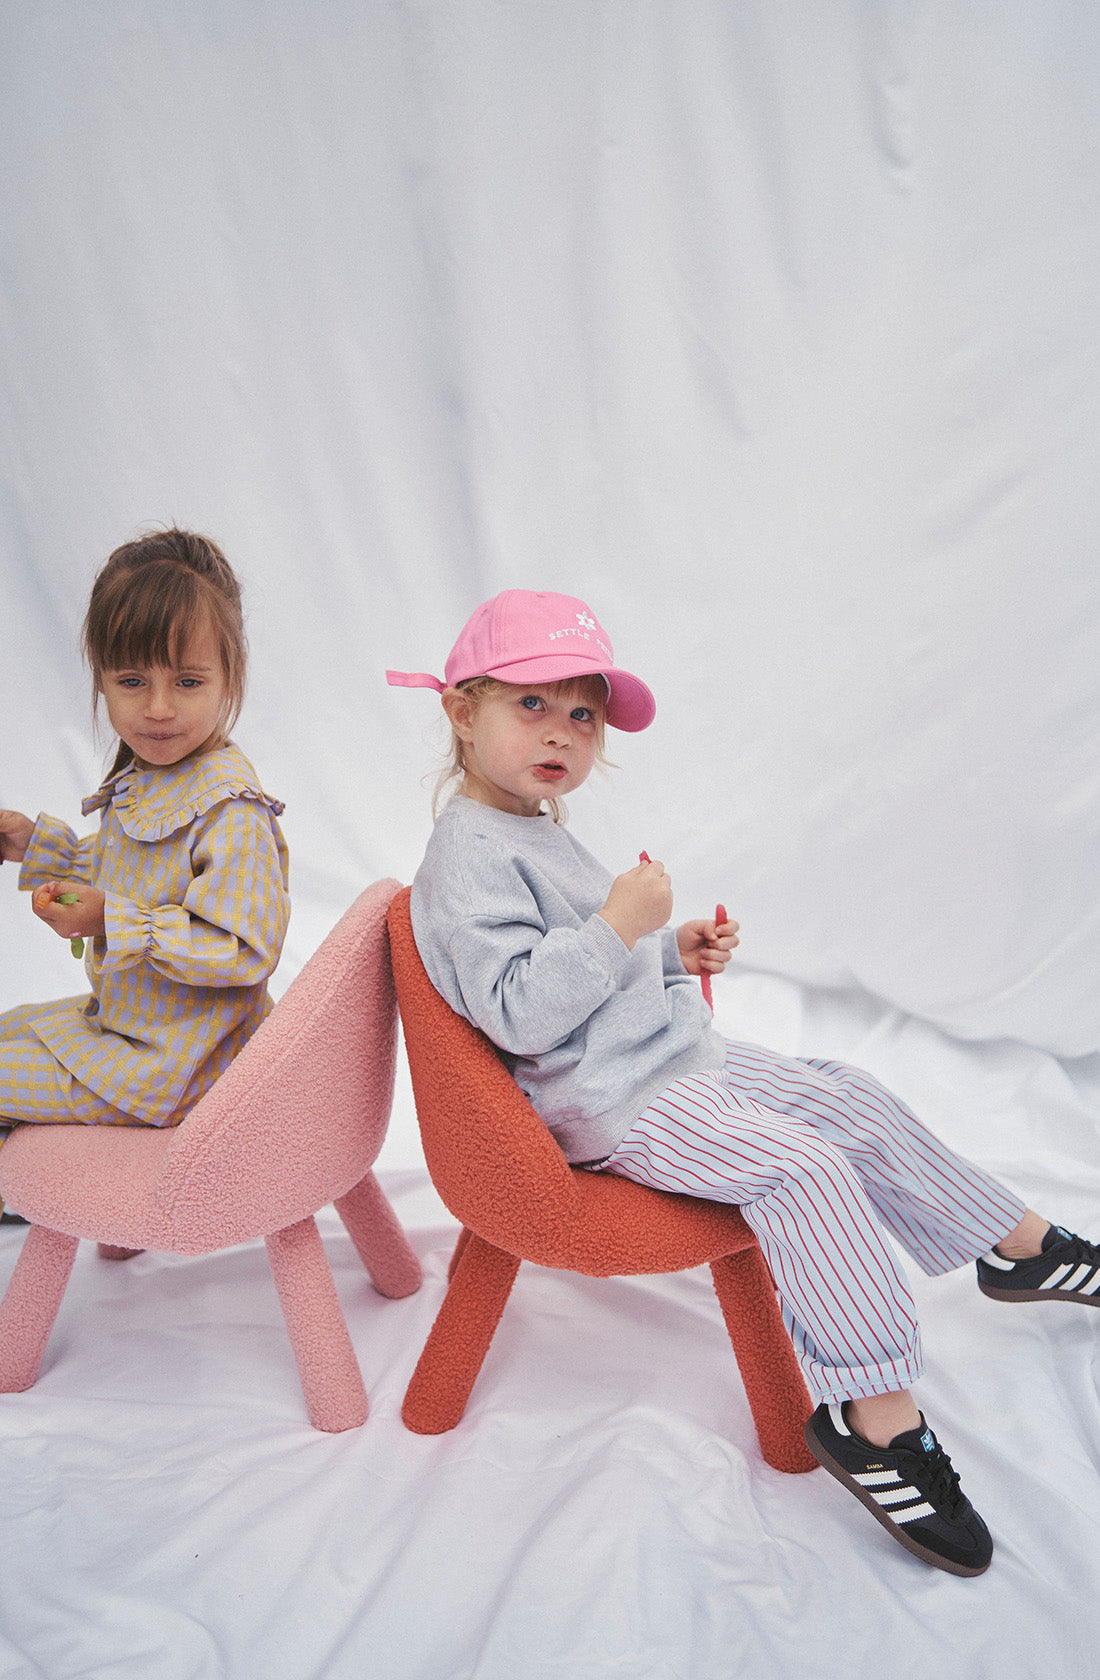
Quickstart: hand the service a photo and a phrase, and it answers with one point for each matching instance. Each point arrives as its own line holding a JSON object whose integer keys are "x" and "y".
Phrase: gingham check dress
{"x": 194, "y": 871}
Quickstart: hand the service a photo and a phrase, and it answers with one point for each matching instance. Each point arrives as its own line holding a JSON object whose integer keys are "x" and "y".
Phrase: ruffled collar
{"x": 151, "y": 804}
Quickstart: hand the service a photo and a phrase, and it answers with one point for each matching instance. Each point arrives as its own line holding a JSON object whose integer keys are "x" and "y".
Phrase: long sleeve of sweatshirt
{"x": 505, "y": 913}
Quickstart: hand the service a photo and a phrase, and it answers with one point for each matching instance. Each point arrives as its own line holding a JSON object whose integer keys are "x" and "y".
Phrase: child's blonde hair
{"x": 592, "y": 691}
{"x": 151, "y": 596}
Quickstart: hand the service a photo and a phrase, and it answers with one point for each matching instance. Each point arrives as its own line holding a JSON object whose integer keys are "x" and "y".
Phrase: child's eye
{"x": 190, "y": 682}
{"x": 582, "y": 714}
{"x": 531, "y": 702}
{"x": 129, "y": 682}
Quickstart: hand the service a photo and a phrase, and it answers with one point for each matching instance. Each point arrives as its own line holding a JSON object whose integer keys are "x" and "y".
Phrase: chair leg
{"x": 331, "y": 1379}
{"x": 30, "y": 1305}
{"x": 766, "y": 1358}
{"x": 459, "y": 1339}
{"x": 459, "y": 1249}
{"x": 379, "y": 1240}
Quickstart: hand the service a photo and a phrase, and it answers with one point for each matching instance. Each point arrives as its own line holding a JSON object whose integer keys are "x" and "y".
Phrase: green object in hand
{"x": 76, "y": 946}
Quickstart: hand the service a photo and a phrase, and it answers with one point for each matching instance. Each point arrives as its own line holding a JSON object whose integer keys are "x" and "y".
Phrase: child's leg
{"x": 36, "y": 1089}
{"x": 943, "y": 1209}
{"x": 846, "y": 1301}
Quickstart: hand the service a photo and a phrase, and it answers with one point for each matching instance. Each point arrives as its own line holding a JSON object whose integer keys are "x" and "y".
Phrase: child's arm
{"x": 530, "y": 988}
{"x": 229, "y": 929}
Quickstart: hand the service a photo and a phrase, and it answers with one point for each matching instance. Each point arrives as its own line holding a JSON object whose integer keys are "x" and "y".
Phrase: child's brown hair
{"x": 149, "y": 599}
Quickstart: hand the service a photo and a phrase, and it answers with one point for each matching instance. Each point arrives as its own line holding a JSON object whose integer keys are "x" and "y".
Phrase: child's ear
{"x": 460, "y": 712}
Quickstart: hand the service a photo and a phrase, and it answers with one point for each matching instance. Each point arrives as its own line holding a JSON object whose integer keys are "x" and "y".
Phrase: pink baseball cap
{"x": 524, "y": 636}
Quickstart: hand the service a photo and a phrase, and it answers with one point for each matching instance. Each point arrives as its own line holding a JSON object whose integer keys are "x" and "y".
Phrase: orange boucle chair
{"x": 295, "y": 1122}
{"x": 500, "y": 1173}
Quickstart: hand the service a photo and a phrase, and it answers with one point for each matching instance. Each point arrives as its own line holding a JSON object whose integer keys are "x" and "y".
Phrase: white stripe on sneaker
{"x": 904, "y": 1502}
{"x": 878, "y": 1479}
{"x": 915, "y": 1515}
{"x": 1067, "y": 1277}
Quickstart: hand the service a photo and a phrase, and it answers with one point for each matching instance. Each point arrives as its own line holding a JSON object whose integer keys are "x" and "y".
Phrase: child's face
{"x": 163, "y": 713}
{"x": 522, "y": 745}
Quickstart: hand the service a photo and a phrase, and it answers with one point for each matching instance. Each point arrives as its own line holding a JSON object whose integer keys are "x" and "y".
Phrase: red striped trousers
{"x": 820, "y": 1157}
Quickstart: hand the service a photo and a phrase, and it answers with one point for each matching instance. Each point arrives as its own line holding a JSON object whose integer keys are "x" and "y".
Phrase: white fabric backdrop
{"x": 772, "y": 330}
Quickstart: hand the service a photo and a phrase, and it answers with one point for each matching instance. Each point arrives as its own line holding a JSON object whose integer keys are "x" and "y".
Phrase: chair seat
{"x": 95, "y": 1182}
{"x": 615, "y": 1228}
{"x": 104, "y": 1183}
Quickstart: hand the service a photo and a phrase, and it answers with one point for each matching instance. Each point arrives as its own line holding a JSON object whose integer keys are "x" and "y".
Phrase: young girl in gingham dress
{"x": 181, "y": 894}
{"x": 576, "y": 978}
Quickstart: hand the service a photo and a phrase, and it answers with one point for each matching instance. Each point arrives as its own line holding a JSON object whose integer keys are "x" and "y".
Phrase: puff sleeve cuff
{"x": 55, "y": 853}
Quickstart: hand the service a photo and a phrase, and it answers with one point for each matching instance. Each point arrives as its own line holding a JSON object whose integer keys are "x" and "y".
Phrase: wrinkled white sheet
{"x": 166, "y": 1513}
{"x": 772, "y": 330}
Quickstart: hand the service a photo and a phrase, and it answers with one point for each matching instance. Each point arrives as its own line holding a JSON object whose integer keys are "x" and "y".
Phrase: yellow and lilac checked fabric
{"x": 194, "y": 870}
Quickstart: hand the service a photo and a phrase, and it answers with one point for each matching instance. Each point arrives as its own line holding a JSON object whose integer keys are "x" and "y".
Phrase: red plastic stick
{"x": 704, "y": 979}
{"x": 719, "y": 916}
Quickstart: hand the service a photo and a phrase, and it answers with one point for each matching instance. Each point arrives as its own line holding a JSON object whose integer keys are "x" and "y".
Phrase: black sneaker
{"x": 910, "y": 1487}
{"x": 1068, "y": 1269}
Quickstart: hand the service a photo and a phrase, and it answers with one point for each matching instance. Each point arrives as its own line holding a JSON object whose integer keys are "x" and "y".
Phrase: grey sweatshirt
{"x": 504, "y": 915}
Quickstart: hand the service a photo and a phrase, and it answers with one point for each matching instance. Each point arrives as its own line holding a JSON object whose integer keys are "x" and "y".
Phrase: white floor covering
{"x": 602, "y": 1509}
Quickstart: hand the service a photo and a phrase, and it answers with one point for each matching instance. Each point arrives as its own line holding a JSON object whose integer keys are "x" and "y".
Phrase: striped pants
{"x": 820, "y": 1156}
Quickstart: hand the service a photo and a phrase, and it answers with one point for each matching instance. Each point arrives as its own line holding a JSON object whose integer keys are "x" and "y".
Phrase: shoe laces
{"x": 1076, "y": 1249}
{"x": 939, "y": 1480}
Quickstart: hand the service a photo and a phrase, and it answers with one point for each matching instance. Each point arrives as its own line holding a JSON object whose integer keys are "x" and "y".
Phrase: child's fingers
{"x": 646, "y": 862}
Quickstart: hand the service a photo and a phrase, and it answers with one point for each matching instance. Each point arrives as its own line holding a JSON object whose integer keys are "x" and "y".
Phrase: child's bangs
{"x": 587, "y": 691}
{"x": 146, "y": 622}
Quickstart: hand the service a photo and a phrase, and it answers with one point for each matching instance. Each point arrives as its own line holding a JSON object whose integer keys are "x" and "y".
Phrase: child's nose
{"x": 159, "y": 701}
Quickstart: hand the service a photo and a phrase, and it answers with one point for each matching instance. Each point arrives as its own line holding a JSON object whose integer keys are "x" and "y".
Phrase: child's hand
{"x": 15, "y": 834}
{"x": 71, "y": 908}
{"x": 639, "y": 902}
{"x": 706, "y": 947}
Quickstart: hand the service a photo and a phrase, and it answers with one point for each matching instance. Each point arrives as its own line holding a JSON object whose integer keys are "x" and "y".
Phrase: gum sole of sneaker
{"x": 880, "y": 1516}
{"x": 1039, "y": 1295}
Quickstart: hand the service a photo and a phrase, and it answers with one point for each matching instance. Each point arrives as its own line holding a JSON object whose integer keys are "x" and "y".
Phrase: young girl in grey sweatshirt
{"x": 575, "y": 976}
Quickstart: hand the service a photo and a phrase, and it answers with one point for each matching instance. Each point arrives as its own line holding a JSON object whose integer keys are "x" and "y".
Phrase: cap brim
{"x": 630, "y": 705}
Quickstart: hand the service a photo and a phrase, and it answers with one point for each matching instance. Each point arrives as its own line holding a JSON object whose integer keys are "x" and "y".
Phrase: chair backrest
{"x": 301, "y": 1113}
{"x": 490, "y": 1157}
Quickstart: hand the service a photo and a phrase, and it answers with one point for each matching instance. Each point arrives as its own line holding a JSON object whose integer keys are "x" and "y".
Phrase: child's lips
{"x": 550, "y": 772}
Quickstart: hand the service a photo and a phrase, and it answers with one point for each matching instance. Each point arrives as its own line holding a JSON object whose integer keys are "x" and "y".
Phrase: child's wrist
{"x": 629, "y": 938}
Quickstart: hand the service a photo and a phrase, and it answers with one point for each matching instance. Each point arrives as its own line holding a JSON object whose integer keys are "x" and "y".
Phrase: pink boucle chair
{"x": 295, "y": 1122}
{"x": 502, "y": 1175}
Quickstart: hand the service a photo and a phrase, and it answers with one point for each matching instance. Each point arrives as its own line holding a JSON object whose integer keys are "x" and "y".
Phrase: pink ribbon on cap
{"x": 414, "y": 679}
